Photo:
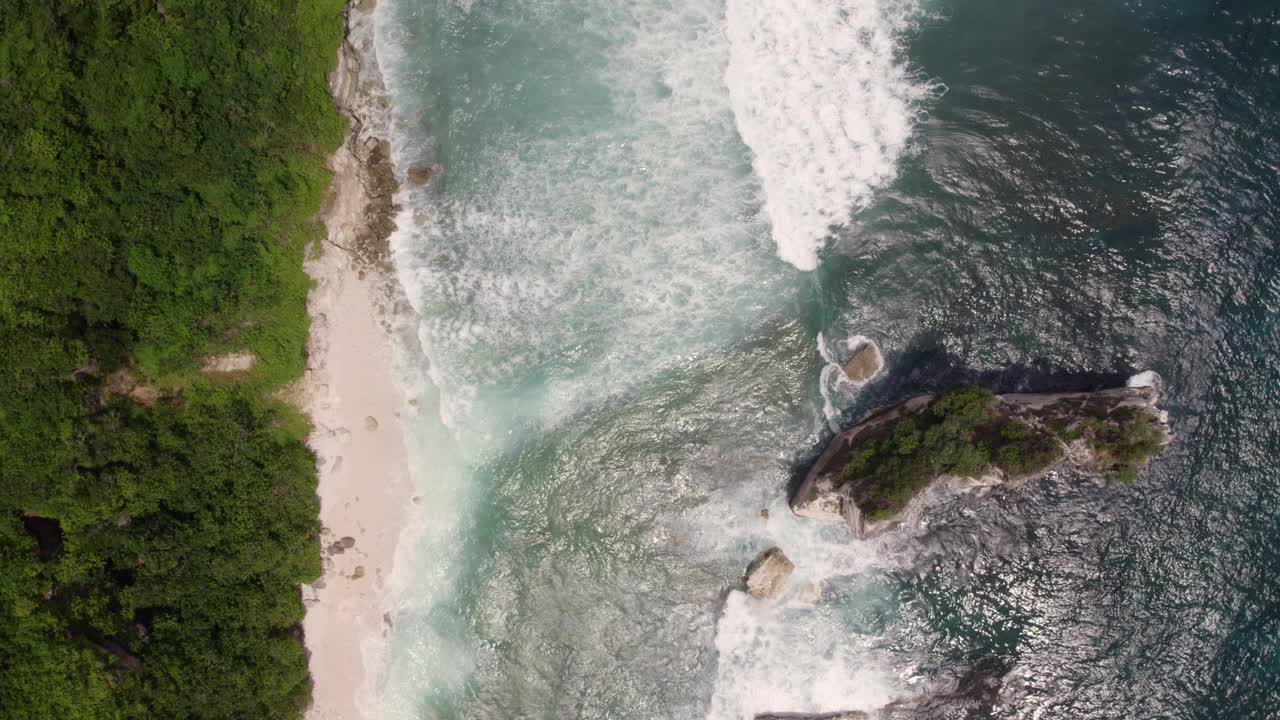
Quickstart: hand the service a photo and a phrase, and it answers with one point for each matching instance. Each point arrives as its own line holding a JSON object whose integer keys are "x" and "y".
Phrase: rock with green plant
{"x": 969, "y": 438}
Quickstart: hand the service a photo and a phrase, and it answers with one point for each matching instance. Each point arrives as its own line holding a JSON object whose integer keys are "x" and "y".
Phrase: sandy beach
{"x": 350, "y": 392}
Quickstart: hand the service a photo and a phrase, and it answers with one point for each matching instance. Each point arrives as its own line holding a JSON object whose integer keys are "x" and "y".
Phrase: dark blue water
{"x": 1096, "y": 192}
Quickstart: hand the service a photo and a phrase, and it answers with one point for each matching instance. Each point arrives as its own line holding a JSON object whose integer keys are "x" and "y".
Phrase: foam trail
{"x": 823, "y": 100}
{"x": 763, "y": 667}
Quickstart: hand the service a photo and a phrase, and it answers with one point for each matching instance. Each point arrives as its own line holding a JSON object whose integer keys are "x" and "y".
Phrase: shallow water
{"x": 656, "y": 227}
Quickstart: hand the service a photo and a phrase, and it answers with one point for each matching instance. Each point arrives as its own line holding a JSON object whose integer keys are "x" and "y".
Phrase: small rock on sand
{"x": 347, "y": 542}
{"x": 865, "y": 363}
{"x": 767, "y": 576}
{"x": 357, "y": 573}
{"x": 371, "y": 423}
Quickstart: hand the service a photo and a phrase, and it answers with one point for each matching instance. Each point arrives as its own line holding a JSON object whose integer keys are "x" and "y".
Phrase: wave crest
{"x": 824, "y": 100}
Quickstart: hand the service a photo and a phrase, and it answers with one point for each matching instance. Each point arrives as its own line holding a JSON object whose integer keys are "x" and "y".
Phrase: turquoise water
{"x": 656, "y": 229}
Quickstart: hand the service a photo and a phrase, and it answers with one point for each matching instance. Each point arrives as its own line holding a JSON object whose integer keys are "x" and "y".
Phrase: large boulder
{"x": 767, "y": 576}
{"x": 864, "y": 364}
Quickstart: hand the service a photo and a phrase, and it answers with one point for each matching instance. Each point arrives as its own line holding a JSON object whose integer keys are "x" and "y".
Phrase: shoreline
{"x": 350, "y": 393}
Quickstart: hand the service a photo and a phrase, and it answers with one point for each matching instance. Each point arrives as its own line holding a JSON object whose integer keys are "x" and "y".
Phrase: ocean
{"x": 655, "y": 232}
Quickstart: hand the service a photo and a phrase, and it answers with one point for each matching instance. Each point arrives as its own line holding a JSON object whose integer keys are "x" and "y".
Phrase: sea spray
{"x": 826, "y": 103}
{"x": 812, "y": 649}
{"x": 580, "y": 269}
{"x": 601, "y": 203}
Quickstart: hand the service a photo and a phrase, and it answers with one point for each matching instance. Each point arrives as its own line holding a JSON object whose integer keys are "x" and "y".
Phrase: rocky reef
{"x": 871, "y": 475}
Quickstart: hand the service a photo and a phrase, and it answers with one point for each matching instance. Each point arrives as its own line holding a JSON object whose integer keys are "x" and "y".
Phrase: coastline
{"x": 350, "y": 393}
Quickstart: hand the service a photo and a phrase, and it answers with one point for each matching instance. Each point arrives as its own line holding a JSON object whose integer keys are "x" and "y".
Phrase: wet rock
{"x": 820, "y": 501}
{"x": 864, "y": 364}
{"x": 975, "y": 694}
{"x": 767, "y": 576}
{"x": 348, "y": 542}
{"x": 422, "y": 174}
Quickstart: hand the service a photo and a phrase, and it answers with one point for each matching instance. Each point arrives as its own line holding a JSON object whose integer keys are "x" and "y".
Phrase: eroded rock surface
{"x": 767, "y": 576}
{"x": 864, "y": 364}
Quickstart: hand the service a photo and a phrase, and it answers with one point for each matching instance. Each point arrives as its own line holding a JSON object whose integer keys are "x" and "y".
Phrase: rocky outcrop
{"x": 767, "y": 576}
{"x": 360, "y": 209}
{"x": 422, "y": 174}
{"x": 122, "y": 383}
{"x": 1069, "y": 429}
{"x": 864, "y": 364}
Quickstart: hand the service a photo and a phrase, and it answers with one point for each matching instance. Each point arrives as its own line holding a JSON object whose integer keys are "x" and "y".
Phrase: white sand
{"x": 365, "y": 487}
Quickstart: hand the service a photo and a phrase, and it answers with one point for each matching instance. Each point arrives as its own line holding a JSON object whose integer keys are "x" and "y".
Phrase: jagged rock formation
{"x": 969, "y": 438}
{"x": 360, "y": 209}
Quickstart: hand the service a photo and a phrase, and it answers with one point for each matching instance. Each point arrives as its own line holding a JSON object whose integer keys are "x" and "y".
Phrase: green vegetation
{"x": 1122, "y": 441}
{"x": 965, "y": 432}
{"x": 159, "y": 163}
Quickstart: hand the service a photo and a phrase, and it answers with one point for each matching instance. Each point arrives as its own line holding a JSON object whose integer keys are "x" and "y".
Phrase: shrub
{"x": 161, "y": 162}
{"x": 961, "y": 432}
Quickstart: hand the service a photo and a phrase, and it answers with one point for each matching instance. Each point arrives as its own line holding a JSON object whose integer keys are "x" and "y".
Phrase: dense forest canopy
{"x": 160, "y": 165}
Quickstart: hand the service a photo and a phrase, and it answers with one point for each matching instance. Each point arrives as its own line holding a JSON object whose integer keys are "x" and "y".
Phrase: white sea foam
{"x": 1148, "y": 378}
{"x": 555, "y": 249}
{"x": 589, "y": 229}
{"x": 783, "y": 658}
{"x": 594, "y": 227}
{"x": 837, "y": 388}
{"x": 798, "y": 653}
{"x": 825, "y": 102}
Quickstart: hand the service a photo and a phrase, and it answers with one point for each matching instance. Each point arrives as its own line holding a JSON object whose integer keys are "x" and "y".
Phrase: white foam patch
{"x": 797, "y": 653}
{"x": 783, "y": 659}
{"x": 825, "y": 102}
{"x": 592, "y": 250}
{"x": 1148, "y": 378}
